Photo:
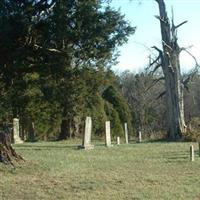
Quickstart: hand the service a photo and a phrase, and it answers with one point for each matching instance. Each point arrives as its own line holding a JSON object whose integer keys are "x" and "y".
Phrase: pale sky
{"x": 140, "y": 13}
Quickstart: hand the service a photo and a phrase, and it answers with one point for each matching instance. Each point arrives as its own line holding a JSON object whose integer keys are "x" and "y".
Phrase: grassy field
{"x": 58, "y": 170}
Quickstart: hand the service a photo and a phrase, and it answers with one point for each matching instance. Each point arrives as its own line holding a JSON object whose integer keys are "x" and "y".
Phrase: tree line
{"x": 55, "y": 69}
{"x": 55, "y": 59}
{"x": 144, "y": 94}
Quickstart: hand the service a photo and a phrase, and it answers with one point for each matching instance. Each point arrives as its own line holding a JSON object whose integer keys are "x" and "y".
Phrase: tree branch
{"x": 195, "y": 60}
{"x": 157, "y": 49}
{"x": 165, "y": 44}
{"x": 189, "y": 77}
{"x": 63, "y": 53}
{"x": 155, "y": 61}
{"x": 193, "y": 72}
{"x": 181, "y": 24}
{"x": 159, "y": 18}
{"x": 154, "y": 83}
{"x": 161, "y": 95}
{"x": 156, "y": 68}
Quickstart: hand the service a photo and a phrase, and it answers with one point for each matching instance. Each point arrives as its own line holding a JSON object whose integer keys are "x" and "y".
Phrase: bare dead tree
{"x": 168, "y": 60}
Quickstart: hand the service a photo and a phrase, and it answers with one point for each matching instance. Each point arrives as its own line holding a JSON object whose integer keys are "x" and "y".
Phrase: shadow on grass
{"x": 163, "y": 140}
{"x": 146, "y": 141}
{"x": 45, "y": 147}
{"x": 177, "y": 159}
{"x": 54, "y": 147}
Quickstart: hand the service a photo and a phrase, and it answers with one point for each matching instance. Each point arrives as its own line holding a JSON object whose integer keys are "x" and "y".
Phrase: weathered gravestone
{"x": 17, "y": 139}
{"x": 87, "y": 134}
{"x": 126, "y": 132}
{"x": 108, "y": 134}
{"x": 118, "y": 140}
{"x": 191, "y": 153}
{"x": 139, "y": 136}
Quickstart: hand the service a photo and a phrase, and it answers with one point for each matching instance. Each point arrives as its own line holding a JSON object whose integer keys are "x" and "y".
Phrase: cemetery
{"x": 99, "y": 100}
{"x": 66, "y": 170}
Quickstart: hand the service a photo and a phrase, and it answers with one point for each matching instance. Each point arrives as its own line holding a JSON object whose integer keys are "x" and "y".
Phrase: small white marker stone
{"x": 118, "y": 140}
{"x": 191, "y": 153}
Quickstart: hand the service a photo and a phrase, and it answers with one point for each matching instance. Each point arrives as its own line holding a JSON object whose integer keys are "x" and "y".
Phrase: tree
{"x": 117, "y": 110}
{"x": 192, "y": 104}
{"x": 140, "y": 91}
{"x": 46, "y": 48}
{"x": 7, "y": 153}
{"x": 89, "y": 39}
{"x": 168, "y": 59}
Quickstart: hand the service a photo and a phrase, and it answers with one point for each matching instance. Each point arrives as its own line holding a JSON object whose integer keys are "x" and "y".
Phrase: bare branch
{"x": 158, "y": 64}
{"x": 156, "y": 68}
{"x": 161, "y": 95}
{"x": 145, "y": 46}
{"x": 156, "y": 48}
{"x": 189, "y": 78}
{"x": 133, "y": 98}
{"x": 186, "y": 48}
{"x": 195, "y": 60}
{"x": 154, "y": 83}
{"x": 172, "y": 10}
{"x": 181, "y": 24}
{"x": 158, "y": 79}
{"x": 193, "y": 72}
{"x": 155, "y": 61}
{"x": 165, "y": 44}
{"x": 159, "y": 18}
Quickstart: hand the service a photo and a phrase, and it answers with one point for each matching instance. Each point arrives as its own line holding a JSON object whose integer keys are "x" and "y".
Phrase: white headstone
{"x": 17, "y": 139}
{"x": 191, "y": 153}
{"x": 108, "y": 134}
{"x": 126, "y": 132}
{"x": 118, "y": 140}
{"x": 87, "y": 134}
{"x": 139, "y": 136}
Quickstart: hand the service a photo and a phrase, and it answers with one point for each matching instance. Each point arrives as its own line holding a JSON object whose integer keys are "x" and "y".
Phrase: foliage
{"x": 114, "y": 97}
{"x": 193, "y": 129}
{"x": 54, "y": 56}
{"x": 113, "y": 117}
{"x": 98, "y": 114}
{"x": 141, "y": 92}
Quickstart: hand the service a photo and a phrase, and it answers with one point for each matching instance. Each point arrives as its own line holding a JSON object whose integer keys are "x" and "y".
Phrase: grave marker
{"x": 17, "y": 139}
{"x": 108, "y": 134}
{"x": 191, "y": 153}
{"x": 126, "y": 132}
{"x": 139, "y": 136}
{"x": 118, "y": 140}
{"x": 87, "y": 134}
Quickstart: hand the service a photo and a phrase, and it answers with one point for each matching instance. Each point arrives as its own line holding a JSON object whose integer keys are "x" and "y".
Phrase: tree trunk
{"x": 31, "y": 131}
{"x": 69, "y": 128}
{"x": 64, "y": 130}
{"x": 172, "y": 74}
{"x": 175, "y": 106}
{"x": 7, "y": 153}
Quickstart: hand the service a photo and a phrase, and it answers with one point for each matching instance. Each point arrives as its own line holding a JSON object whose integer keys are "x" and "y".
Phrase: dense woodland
{"x": 55, "y": 69}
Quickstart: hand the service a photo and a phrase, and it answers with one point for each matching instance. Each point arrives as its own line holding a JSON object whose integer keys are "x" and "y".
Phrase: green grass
{"x": 58, "y": 170}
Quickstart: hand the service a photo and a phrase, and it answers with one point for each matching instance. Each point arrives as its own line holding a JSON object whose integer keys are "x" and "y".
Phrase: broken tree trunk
{"x": 169, "y": 57}
{"x": 7, "y": 153}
